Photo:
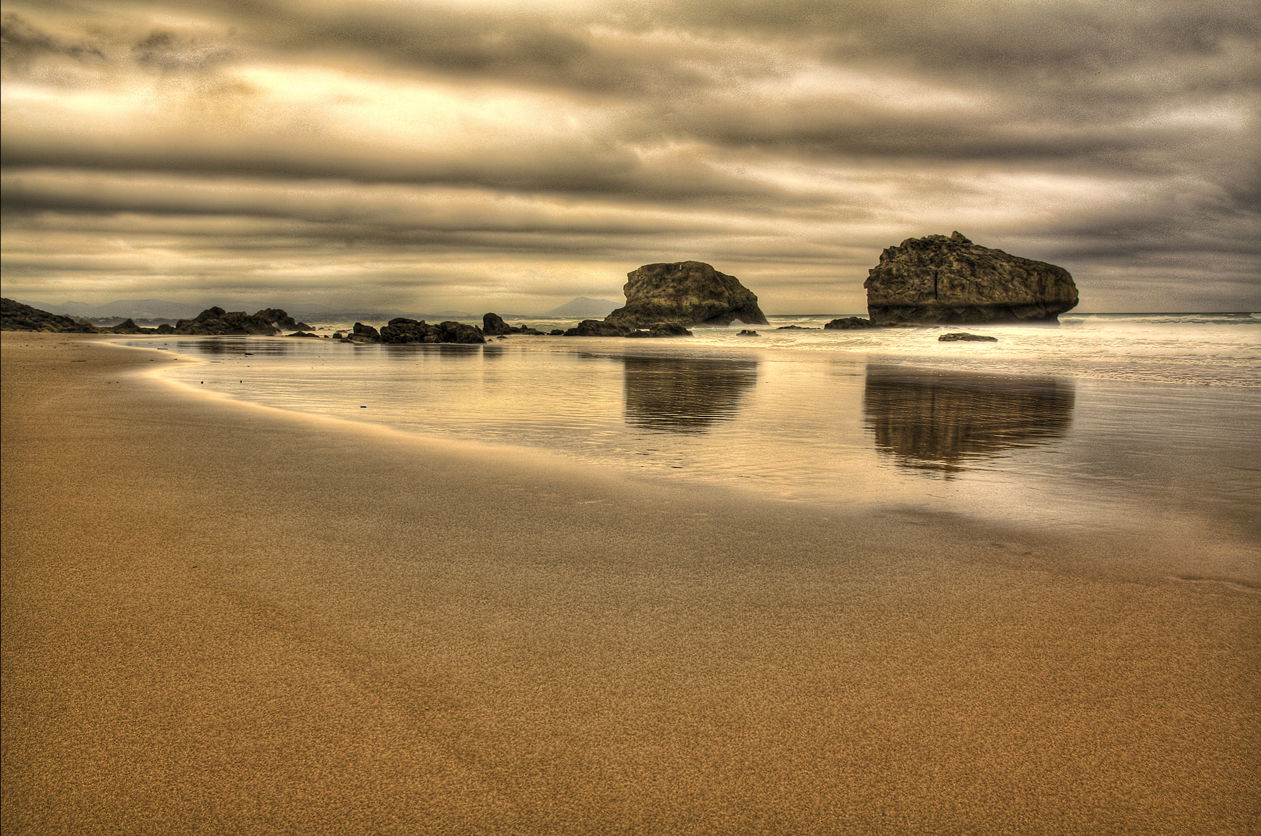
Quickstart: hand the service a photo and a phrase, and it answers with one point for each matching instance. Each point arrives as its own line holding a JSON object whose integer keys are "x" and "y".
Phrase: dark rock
{"x": 129, "y": 326}
{"x": 798, "y": 327}
{"x": 403, "y": 331}
{"x": 960, "y": 336}
{"x": 165, "y": 328}
{"x": 361, "y": 333}
{"x": 661, "y": 329}
{"x": 281, "y": 320}
{"x": 849, "y": 323}
{"x": 303, "y": 334}
{"x": 596, "y": 328}
{"x": 215, "y": 321}
{"x": 942, "y": 279}
{"x": 557, "y": 332}
{"x": 493, "y": 325}
{"x": 14, "y": 316}
{"x": 747, "y": 333}
{"x": 686, "y": 292}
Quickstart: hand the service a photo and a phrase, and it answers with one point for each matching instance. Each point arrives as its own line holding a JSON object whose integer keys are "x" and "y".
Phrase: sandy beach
{"x": 223, "y": 618}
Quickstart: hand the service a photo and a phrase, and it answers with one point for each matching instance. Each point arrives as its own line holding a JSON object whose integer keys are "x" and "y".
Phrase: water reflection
{"x": 231, "y": 345}
{"x": 940, "y": 420}
{"x": 408, "y": 351}
{"x": 684, "y": 395}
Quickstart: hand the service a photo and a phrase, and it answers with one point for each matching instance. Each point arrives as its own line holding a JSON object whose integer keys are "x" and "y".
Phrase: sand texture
{"x": 226, "y": 619}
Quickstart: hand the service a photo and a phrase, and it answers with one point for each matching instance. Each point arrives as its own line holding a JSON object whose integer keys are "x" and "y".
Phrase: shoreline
{"x": 219, "y": 616}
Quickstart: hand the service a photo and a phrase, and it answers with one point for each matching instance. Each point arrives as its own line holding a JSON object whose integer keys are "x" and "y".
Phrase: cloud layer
{"x": 513, "y": 155}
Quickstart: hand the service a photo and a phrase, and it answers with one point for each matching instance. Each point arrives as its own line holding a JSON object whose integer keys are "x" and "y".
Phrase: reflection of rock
{"x": 939, "y": 420}
{"x": 948, "y": 279}
{"x": 687, "y": 292}
{"x": 687, "y": 395}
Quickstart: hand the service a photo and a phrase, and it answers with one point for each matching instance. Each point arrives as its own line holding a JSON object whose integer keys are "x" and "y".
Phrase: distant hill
{"x": 123, "y": 309}
{"x": 584, "y": 306}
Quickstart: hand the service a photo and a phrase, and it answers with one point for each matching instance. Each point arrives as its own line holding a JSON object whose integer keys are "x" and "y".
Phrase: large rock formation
{"x": 942, "y": 279}
{"x": 685, "y": 292}
{"x": 493, "y": 325}
{"x": 216, "y": 321}
{"x": 14, "y": 316}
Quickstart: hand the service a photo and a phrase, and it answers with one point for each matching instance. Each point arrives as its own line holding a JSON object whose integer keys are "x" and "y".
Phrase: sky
{"x": 494, "y": 155}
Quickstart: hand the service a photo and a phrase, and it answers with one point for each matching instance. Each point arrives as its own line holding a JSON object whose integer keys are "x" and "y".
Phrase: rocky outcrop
{"x": 849, "y": 323}
{"x": 403, "y": 331}
{"x": 14, "y": 316}
{"x": 493, "y": 325}
{"x": 215, "y": 321}
{"x": 596, "y": 328}
{"x": 963, "y": 337}
{"x": 943, "y": 279}
{"x": 360, "y": 333}
{"x": 661, "y": 329}
{"x": 129, "y": 326}
{"x": 685, "y": 292}
{"x": 748, "y": 333}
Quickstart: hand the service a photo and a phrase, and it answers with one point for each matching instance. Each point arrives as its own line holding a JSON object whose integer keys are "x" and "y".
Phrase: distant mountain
{"x": 123, "y": 309}
{"x": 584, "y": 306}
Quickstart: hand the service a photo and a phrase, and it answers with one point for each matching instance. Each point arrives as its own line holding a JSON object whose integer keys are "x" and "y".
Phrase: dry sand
{"x": 219, "y": 618}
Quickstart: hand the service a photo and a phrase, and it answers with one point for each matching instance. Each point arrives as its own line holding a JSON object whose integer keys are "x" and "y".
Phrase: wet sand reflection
{"x": 937, "y": 420}
{"x": 685, "y": 395}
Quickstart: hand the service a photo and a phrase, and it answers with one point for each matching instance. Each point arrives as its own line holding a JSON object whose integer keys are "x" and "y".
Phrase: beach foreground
{"x": 221, "y": 618}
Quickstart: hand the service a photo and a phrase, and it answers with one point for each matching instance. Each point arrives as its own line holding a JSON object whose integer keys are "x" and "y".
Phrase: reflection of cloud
{"x": 941, "y": 420}
{"x": 684, "y": 395}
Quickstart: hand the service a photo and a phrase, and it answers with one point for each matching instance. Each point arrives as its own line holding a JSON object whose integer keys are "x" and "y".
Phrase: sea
{"x": 1144, "y": 425}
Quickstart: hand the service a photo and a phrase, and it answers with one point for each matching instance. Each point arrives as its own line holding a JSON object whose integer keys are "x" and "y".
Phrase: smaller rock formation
{"x": 303, "y": 334}
{"x": 849, "y": 323}
{"x": 800, "y": 327}
{"x": 129, "y": 326}
{"x": 960, "y": 336}
{"x": 686, "y": 292}
{"x": 942, "y": 279}
{"x": 493, "y": 325}
{"x": 596, "y": 328}
{"x": 360, "y": 333}
{"x": 403, "y": 331}
{"x": 748, "y": 333}
{"x": 215, "y": 321}
{"x": 661, "y": 329}
{"x": 15, "y": 316}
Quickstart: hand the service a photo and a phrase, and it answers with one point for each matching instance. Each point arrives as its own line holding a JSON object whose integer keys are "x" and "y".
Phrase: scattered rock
{"x": 686, "y": 292}
{"x": 798, "y": 327}
{"x": 402, "y": 330}
{"x": 942, "y": 279}
{"x": 960, "y": 336}
{"x": 849, "y": 323}
{"x": 303, "y": 334}
{"x": 747, "y": 333}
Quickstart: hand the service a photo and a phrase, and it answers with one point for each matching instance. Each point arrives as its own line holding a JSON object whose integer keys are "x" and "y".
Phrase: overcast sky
{"x": 493, "y": 155}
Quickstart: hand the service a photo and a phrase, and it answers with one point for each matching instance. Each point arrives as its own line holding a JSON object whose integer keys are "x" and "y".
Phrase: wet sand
{"x": 220, "y": 618}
